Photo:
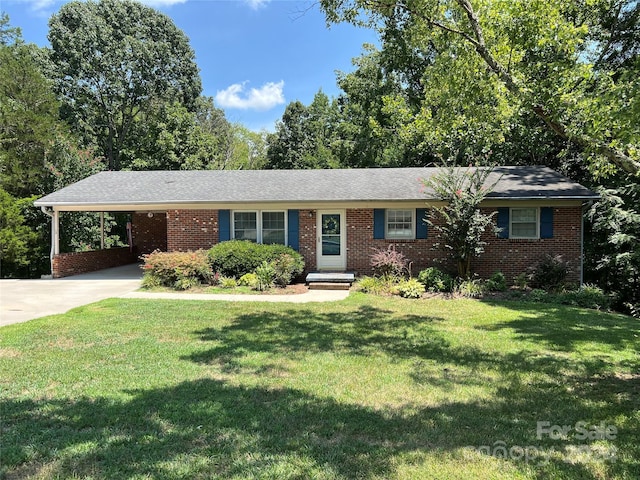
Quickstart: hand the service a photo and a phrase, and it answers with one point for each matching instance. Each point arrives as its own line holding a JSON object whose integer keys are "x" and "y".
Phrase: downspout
{"x": 55, "y": 244}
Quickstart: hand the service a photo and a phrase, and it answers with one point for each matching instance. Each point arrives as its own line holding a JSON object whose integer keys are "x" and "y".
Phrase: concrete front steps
{"x": 330, "y": 280}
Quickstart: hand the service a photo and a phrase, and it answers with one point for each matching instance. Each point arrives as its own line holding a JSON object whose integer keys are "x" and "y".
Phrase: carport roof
{"x": 148, "y": 188}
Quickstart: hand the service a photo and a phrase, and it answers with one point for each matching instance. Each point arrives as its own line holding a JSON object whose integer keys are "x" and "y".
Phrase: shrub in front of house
{"x": 587, "y": 296}
{"x": 265, "y": 275}
{"x": 496, "y": 282}
{"x": 550, "y": 273}
{"x": 236, "y": 258}
{"x": 435, "y": 280}
{"x": 248, "y": 280}
{"x": 471, "y": 288}
{"x": 411, "y": 288}
{"x": 389, "y": 263}
{"x": 179, "y": 270}
{"x": 285, "y": 268}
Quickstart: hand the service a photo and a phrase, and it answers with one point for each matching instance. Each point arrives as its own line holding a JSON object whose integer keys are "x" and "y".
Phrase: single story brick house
{"x": 334, "y": 218}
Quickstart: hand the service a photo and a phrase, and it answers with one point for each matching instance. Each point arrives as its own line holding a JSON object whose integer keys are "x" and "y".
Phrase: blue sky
{"x": 255, "y": 56}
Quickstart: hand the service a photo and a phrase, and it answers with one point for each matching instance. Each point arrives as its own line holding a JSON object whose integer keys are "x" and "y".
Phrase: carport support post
{"x": 55, "y": 234}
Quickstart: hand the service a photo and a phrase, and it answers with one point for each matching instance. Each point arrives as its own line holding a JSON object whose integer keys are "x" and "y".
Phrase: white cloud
{"x": 256, "y": 4}
{"x": 264, "y": 98}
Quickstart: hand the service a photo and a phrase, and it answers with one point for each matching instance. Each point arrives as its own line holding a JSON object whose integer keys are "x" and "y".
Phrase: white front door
{"x": 331, "y": 241}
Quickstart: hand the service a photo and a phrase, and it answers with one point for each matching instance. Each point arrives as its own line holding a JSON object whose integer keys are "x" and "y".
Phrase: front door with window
{"x": 331, "y": 242}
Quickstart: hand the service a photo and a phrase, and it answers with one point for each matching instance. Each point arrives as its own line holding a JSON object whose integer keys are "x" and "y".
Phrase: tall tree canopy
{"x": 115, "y": 60}
{"x": 28, "y": 115}
{"x": 497, "y": 58}
{"x": 303, "y": 138}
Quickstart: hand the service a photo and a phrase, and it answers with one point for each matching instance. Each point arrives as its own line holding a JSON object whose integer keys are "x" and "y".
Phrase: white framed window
{"x": 400, "y": 224}
{"x": 260, "y": 226}
{"x": 274, "y": 228}
{"x": 524, "y": 223}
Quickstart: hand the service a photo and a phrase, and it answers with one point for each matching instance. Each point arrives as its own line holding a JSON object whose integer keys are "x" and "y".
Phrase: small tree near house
{"x": 459, "y": 224}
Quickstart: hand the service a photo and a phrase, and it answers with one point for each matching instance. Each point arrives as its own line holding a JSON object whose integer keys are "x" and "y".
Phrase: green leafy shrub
{"x": 550, "y": 273}
{"x": 411, "y": 288}
{"x": 227, "y": 282}
{"x": 248, "y": 280}
{"x": 539, "y": 295}
{"x": 587, "y": 296}
{"x": 235, "y": 258}
{"x": 496, "y": 283}
{"x": 368, "y": 284}
{"x": 265, "y": 275}
{"x": 521, "y": 281}
{"x": 471, "y": 288}
{"x": 286, "y": 267}
{"x": 179, "y": 270}
{"x": 389, "y": 263}
{"x": 435, "y": 280}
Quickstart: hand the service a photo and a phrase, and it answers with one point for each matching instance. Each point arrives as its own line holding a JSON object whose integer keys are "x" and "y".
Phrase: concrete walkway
{"x": 310, "y": 296}
{"x": 22, "y": 300}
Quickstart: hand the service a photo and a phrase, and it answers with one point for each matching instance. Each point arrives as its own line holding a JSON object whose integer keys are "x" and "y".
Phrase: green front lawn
{"x": 366, "y": 388}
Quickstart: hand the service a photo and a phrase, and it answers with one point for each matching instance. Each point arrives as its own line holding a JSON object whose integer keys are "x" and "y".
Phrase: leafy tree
{"x": 367, "y": 131}
{"x": 498, "y": 58}
{"x": 17, "y": 240}
{"x": 460, "y": 223}
{"x": 303, "y": 138}
{"x": 248, "y": 148}
{"x": 613, "y": 255}
{"x": 28, "y": 116}
{"x": 116, "y": 60}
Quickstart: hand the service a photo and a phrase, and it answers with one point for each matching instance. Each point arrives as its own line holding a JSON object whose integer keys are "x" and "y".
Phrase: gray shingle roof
{"x": 302, "y": 186}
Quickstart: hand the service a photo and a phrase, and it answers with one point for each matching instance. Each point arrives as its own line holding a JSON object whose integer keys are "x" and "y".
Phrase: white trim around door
{"x": 331, "y": 242}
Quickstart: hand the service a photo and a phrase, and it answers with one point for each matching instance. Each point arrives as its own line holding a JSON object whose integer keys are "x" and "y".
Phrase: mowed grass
{"x": 365, "y": 388}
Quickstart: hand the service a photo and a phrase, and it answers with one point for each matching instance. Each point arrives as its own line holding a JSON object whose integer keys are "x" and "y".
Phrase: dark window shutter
{"x": 293, "y": 229}
{"x": 503, "y": 222}
{"x": 224, "y": 222}
{"x": 421, "y": 223}
{"x": 546, "y": 222}
{"x": 378, "y": 223}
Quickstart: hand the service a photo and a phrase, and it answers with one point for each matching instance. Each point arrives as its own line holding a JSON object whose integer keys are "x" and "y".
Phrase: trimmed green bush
{"x": 435, "y": 280}
{"x": 179, "y": 270}
{"x": 411, "y": 288}
{"x": 238, "y": 257}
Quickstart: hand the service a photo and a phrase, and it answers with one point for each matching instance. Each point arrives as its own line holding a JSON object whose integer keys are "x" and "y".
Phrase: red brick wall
{"x": 511, "y": 257}
{"x": 196, "y": 229}
{"x": 307, "y": 239}
{"x": 149, "y": 233}
{"x": 361, "y": 244}
{"x": 68, "y": 264}
{"x": 514, "y": 256}
{"x": 191, "y": 230}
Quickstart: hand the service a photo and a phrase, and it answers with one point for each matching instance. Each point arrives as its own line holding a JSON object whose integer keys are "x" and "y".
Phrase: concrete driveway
{"x": 22, "y": 300}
